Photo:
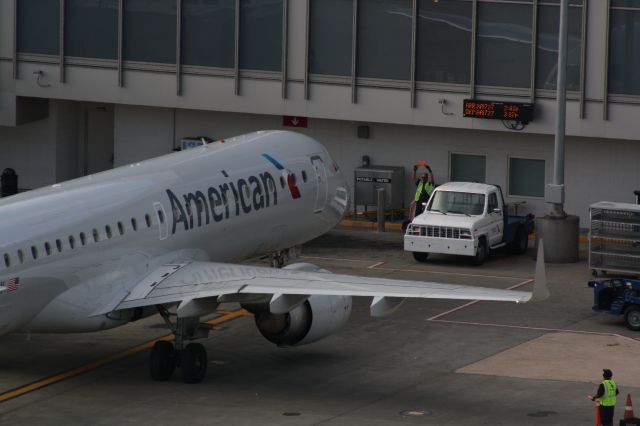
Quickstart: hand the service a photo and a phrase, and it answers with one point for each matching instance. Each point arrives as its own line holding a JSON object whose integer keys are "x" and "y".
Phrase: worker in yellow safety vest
{"x": 606, "y": 394}
{"x": 424, "y": 187}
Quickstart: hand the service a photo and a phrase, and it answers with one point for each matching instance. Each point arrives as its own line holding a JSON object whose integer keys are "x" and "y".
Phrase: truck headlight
{"x": 465, "y": 234}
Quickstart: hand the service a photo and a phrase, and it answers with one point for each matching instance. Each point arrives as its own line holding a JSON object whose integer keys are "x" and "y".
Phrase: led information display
{"x": 498, "y": 110}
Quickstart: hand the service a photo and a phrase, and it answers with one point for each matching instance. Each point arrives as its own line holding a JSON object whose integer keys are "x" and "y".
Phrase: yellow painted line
{"x": 388, "y": 226}
{"x": 108, "y": 360}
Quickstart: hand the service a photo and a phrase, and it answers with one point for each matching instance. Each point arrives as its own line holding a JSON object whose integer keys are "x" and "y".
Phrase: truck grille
{"x": 439, "y": 232}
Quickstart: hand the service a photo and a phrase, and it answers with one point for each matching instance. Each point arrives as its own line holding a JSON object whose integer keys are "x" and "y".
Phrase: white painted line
{"x": 473, "y": 302}
{"x": 522, "y": 327}
{"x": 334, "y": 258}
{"x": 375, "y": 265}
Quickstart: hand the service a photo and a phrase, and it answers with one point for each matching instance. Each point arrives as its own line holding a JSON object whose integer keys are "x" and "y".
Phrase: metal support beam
{"x": 561, "y": 109}
{"x": 61, "y": 41}
{"x": 474, "y": 28}
{"x": 236, "y": 54}
{"x": 120, "y": 41}
{"x": 14, "y": 57}
{"x": 583, "y": 57}
{"x": 414, "y": 36}
{"x": 605, "y": 94}
{"x": 178, "y": 47}
{"x": 354, "y": 52}
{"x": 534, "y": 48}
{"x": 285, "y": 43}
{"x": 306, "y": 52}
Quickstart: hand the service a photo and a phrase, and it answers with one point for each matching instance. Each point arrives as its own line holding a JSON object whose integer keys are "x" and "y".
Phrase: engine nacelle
{"x": 314, "y": 319}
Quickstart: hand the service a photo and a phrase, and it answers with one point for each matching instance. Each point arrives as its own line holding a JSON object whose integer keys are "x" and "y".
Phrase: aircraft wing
{"x": 220, "y": 282}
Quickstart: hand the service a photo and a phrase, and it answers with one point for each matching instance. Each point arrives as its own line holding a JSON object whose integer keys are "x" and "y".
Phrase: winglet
{"x": 540, "y": 289}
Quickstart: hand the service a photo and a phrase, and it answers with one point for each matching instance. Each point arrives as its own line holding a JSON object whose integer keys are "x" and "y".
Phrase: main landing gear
{"x": 190, "y": 358}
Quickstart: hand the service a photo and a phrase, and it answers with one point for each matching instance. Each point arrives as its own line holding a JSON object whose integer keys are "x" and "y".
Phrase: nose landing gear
{"x": 191, "y": 359}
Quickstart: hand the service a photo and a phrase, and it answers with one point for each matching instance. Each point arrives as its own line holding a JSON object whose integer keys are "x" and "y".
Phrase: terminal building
{"x": 87, "y": 85}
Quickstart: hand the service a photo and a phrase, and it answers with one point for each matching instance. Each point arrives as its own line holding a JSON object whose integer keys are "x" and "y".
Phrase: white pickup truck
{"x": 466, "y": 219}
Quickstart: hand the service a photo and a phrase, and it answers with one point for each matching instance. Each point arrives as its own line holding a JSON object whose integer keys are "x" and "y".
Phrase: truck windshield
{"x": 457, "y": 202}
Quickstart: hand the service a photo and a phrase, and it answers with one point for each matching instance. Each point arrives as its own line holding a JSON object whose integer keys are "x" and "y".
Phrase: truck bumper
{"x": 439, "y": 245}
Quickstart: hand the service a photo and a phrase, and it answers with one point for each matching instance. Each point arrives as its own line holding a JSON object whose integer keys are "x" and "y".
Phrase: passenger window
{"x": 147, "y": 219}
{"x": 47, "y": 248}
{"x": 72, "y": 242}
{"x": 34, "y": 252}
{"x": 21, "y": 256}
{"x": 134, "y": 224}
{"x": 83, "y": 238}
{"x": 304, "y": 176}
{"x": 107, "y": 229}
{"x": 96, "y": 235}
{"x": 120, "y": 228}
{"x": 7, "y": 260}
{"x": 59, "y": 245}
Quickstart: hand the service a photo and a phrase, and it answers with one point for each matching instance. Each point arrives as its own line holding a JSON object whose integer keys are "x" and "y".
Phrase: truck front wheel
{"x": 632, "y": 317}
{"x": 420, "y": 256}
{"x": 481, "y": 253}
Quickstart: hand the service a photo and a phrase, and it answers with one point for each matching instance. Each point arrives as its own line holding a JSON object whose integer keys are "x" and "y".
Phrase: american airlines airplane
{"x": 161, "y": 236}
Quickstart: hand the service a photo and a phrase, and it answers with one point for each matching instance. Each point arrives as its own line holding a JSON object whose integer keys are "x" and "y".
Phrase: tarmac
{"x": 433, "y": 362}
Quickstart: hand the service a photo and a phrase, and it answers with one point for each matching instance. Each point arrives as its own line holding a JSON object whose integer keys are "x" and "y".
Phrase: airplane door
{"x": 321, "y": 182}
{"x": 163, "y": 226}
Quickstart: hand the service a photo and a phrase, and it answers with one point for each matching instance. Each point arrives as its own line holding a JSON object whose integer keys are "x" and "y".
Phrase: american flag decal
{"x": 12, "y": 285}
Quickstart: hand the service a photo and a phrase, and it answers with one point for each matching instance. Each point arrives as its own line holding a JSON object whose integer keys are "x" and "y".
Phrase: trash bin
{"x": 8, "y": 183}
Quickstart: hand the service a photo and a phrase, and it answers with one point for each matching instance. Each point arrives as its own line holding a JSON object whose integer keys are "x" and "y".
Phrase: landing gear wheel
{"x": 481, "y": 253}
{"x": 632, "y": 317}
{"x": 193, "y": 363}
{"x": 162, "y": 360}
{"x": 521, "y": 243}
{"x": 420, "y": 256}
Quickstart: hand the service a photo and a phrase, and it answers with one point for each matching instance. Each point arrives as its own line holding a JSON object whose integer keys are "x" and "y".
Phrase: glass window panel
{"x": 384, "y": 39}
{"x": 39, "y": 26}
{"x": 91, "y": 29}
{"x": 331, "y": 25}
{"x": 208, "y": 33}
{"x": 468, "y": 168}
{"x": 571, "y": 2}
{"x": 526, "y": 177}
{"x": 261, "y": 35}
{"x": 441, "y": 25}
{"x": 150, "y": 31}
{"x": 547, "y": 60}
{"x": 624, "y": 52}
{"x": 625, "y": 3}
{"x": 503, "y": 53}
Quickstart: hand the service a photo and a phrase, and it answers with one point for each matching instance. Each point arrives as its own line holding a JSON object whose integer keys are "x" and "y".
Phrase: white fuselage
{"x": 75, "y": 247}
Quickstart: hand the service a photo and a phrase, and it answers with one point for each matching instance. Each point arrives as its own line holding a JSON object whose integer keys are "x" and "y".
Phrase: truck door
{"x": 496, "y": 220}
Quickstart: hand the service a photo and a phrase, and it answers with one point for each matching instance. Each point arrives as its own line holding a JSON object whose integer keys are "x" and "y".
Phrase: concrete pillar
{"x": 560, "y": 236}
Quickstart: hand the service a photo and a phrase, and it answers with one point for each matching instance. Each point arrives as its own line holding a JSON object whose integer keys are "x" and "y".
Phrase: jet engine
{"x": 312, "y": 320}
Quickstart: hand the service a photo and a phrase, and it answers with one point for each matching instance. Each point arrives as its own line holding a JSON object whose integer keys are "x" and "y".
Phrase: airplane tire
{"x": 632, "y": 317}
{"x": 481, "y": 253}
{"x": 193, "y": 362}
{"x": 420, "y": 256}
{"x": 162, "y": 360}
